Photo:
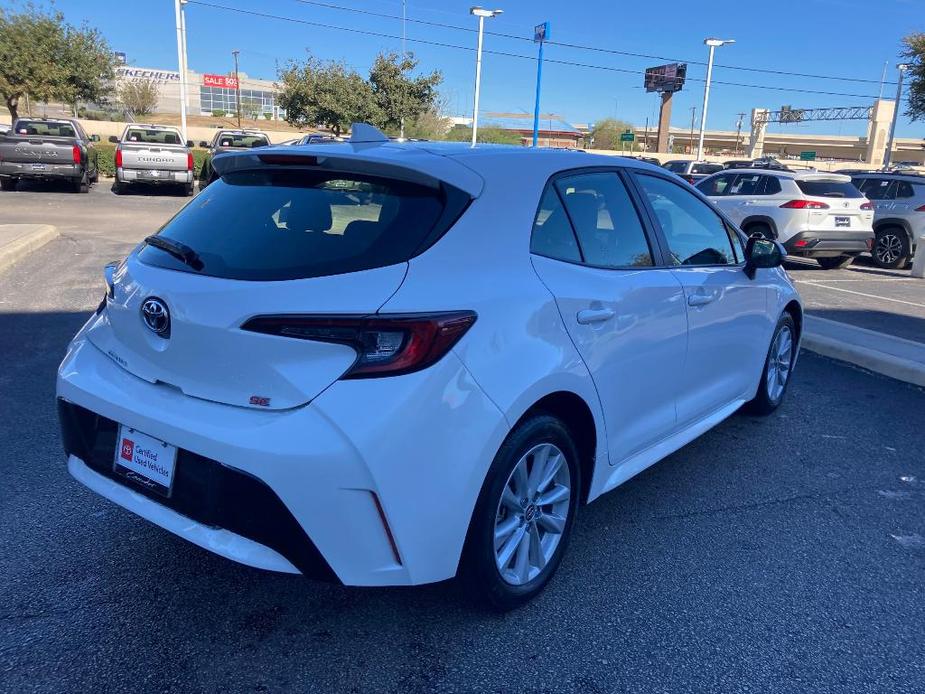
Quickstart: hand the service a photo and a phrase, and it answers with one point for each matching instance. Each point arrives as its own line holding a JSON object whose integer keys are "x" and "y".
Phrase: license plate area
{"x": 38, "y": 167}
{"x": 145, "y": 460}
{"x": 842, "y": 222}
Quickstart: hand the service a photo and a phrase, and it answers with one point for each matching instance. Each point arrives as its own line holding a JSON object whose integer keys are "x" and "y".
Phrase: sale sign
{"x": 220, "y": 81}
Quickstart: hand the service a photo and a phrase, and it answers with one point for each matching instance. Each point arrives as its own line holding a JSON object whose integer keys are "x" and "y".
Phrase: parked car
{"x": 316, "y": 138}
{"x": 899, "y": 214}
{"x": 153, "y": 154}
{"x": 48, "y": 149}
{"x": 228, "y": 141}
{"x": 647, "y": 160}
{"x": 4, "y": 128}
{"x": 426, "y": 382}
{"x": 692, "y": 171}
{"x": 760, "y": 163}
{"x": 814, "y": 215}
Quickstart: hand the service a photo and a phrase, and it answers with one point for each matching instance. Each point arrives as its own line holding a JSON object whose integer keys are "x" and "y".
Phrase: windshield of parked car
{"x": 244, "y": 141}
{"x": 283, "y": 225}
{"x": 829, "y": 189}
{"x": 44, "y": 128}
{"x": 706, "y": 168}
{"x": 677, "y": 166}
{"x": 152, "y": 137}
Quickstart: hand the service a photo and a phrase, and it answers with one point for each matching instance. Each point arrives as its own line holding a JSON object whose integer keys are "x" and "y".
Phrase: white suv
{"x": 899, "y": 217}
{"x": 385, "y": 364}
{"x": 814, "y": 215}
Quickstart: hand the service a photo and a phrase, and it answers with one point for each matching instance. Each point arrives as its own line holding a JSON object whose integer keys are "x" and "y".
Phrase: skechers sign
{"x": 138, "y": 73}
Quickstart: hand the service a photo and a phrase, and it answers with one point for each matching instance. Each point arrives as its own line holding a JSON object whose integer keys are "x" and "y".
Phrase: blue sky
{"x": 842, "y": 38}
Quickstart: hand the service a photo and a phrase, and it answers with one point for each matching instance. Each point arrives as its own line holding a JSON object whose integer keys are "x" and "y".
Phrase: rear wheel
{"x": 778, "y": 367}
{"x": 8, "y": 183}
{"x": 835, "y": 263}
{"x": 188, "y": 190}
{"x": 891, "y": 248}
{"x": 763, "y": 230}
{"x": 82, "y": 184}
{"x": 521, "y": 523}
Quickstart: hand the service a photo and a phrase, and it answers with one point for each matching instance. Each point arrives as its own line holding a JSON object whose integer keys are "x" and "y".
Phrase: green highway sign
{"x": 627, "y": 137}
{"x": 808, "y": 156}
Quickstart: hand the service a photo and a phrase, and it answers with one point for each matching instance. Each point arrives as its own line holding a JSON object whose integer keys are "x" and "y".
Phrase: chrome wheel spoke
{"x": 550, "y": 522}
{"x": 537, "y": 556}
{"x": 507, "y": 550}
{"x": 553, "y": 496}
{"x": 540, "y": 457}
{"x": 519, "y": 479}
{"x": 511, "y": 501}
{"x": 522, "y": 561}
{"x": 504, "y": 529}
{"x": 553, "y": 466}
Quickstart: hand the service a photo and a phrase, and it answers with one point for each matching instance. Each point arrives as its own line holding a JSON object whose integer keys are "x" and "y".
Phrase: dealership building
{"x": 207, "y": 93}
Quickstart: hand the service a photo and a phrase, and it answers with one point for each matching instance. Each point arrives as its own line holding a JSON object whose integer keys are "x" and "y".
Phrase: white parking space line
{"x": 891, "y": 280}
{"x": 869, "y": 296}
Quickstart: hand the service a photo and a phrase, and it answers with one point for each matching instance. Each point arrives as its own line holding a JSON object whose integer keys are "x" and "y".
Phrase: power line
{"x": 441, "y": 44}
{"x": 578, "y": 46}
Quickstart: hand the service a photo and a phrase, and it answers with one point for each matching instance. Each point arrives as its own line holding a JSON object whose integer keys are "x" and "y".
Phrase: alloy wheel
{"x": 889, "y": 248}
{"x": 532, "y": 513}
{"x": 780, "y": 361}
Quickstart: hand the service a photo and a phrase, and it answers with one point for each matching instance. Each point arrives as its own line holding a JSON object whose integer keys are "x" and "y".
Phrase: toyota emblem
{"x": 156, "y": 316}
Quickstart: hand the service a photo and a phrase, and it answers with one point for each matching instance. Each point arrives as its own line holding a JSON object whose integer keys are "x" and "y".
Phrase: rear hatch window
{"x": 297, "y": 223}
{"x": 244, "y": 141}
{"x": 44, "y": 128}
{"x": 152, "y": 137}
{"x": 829, "y": 189}
{"x": 676, "y": 166}
{"x": 706, "y": 168}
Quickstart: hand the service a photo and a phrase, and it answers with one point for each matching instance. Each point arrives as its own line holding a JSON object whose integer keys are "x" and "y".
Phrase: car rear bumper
{"x": 372, "y": 483}
{"x": 25, "y": 170}
{"x": 829, "y": 244}
{"x": 155, "y": 176}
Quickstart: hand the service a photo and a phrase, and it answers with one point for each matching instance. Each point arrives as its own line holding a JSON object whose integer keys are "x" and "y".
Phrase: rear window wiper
{"x": 178, "y": 250}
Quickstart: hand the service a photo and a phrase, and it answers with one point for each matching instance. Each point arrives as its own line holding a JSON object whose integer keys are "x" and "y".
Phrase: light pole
{"x": 181, "y": 60}
{"x": 902, "y": 67}
{"x": 237, "y": 85}
{"x": 404, "y": 54}
{"x": 481, "y": 13}
{"x": 712, "y": 43}
{"x": 540, "y": 34}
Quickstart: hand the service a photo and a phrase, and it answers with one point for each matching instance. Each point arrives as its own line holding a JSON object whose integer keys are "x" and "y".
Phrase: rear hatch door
{"x": 846, "y": 207}
{"x": 160, "y": 157}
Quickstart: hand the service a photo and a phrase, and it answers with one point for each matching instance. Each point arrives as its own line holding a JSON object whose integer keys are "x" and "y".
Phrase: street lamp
{"x": 481, "y": 13}
{"x": 888, "y": 157}
{"x": 237, "y": 84}
{"x": 181, "y": 60}
{"x": 712, "y": 43}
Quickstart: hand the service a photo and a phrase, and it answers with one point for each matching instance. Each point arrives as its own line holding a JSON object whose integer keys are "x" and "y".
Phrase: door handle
{"x": 700, "y": 299}
{"x": 594, "y": 315}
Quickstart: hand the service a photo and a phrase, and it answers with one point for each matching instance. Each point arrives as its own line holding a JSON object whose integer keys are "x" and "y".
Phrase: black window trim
{"x": 656, "y": 250}
{"x": 663, "y": 240}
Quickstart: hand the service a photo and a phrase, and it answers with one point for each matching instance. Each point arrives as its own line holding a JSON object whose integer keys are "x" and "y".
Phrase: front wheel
{"x": 837, "y": 263}
{"x": 778, "y": 367}
{"x": 891, "y": 248}
{"x": 524, "y": 514}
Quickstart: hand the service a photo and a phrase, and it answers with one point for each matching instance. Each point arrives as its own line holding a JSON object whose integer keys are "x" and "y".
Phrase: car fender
{"x": 760, "y": 219}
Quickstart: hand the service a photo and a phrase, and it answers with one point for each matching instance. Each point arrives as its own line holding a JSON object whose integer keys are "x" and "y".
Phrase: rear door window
{"x": 747, "y": 184}
{"x": 293, "y": 224}
{"x": 552, "y": 235}
{"x": 828, "y": 189}
{"x": 875, "y": 188}
{"x": 717, "y": 185}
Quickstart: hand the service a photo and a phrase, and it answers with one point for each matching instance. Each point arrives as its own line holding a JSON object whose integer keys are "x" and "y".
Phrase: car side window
{"x": 552, "y": 233}
{"x": 904, "y": 190}
{"x": 716, "y": 186}
{"x": 746, "y": 184}
{"x": 696, "y": 235}
{"x": 876, "y": 188}
{"x": 771, "y": 185}
{"x": 605, "y": 220}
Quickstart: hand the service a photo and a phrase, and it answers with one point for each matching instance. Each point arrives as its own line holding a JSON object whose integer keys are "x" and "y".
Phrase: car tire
{"x": 533, "y": 535}
{"x": 778, "y": 369}
{"x": 118, "y": 188}
{"x": 188, "y": 190}
{"x": 8, "y": 184}
{"x": 891, "y": 248}
{"x": 836, "y": 263}
{"x": 82, "y": 184}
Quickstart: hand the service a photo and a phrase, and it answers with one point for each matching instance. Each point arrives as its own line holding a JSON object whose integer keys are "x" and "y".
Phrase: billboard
{"x": 139, "y": 73}
{"x": 665, "y": 78}
{"x": 220, "y": 81}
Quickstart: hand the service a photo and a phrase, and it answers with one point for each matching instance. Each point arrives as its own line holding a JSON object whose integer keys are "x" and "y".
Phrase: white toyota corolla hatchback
{"x": 389, "y": 364}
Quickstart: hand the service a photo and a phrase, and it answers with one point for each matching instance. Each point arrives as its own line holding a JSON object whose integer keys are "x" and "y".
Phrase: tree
{"x": 397, "y": 94}
{"x": 606, "y": 133}
{"x": 497, "y": 136}
{"x": 914, "y": 55}
{"x": 139, "y": 97}
{"x": 44, "y": 57}
{"x": 251, "y": 107}
{"x": 326, "y": 93}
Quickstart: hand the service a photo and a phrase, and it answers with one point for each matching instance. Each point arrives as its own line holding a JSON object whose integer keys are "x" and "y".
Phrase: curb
{"x": 23, "y": 245}
{"x": 883, "y": 354}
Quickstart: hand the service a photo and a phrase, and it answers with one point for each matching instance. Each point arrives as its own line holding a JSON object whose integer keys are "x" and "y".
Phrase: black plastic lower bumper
{"x": 829, "y": 244}
{"x": 203, "y": 489}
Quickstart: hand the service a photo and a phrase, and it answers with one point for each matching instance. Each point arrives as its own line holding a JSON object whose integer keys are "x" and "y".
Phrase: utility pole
{"x": 883, "y": 78}
{"x": 646, "y": 136}
{"x": 739, "y": 131}
{"x": 690, "y": 145}
{"x": 540, "y": 34}
{"x": 237, "y": 85}
{"x": 902, "y": 67}
{"x": 178, "y": 11}
{"x": 404, "y": 53}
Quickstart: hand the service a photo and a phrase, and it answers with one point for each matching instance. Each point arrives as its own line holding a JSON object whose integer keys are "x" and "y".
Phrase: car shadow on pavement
{"x": 148, "y": 190}
{"x": 901, "y": 325}
{"x": 46, "y": 186}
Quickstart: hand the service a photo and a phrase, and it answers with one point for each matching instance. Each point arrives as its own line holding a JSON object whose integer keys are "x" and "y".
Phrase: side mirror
{"x": 94, "y": 138}
{"x": 189, "y": 143}
{"x": 762, "y": 253}
{"x": 203, "y": 143}
{"x": 114, "y": 139}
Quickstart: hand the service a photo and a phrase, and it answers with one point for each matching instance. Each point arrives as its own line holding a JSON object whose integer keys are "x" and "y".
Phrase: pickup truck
{"x": 48, "y": 149}
{"x": 228, "y": 141}
{"x": 152, "y": 154}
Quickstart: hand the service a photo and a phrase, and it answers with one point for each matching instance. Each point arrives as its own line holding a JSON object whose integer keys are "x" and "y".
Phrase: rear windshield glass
{"x": 283, "y": 225}
{"x": 49, "y": 129}
{"x": 230, "y": 140}
{"x": 706, "y": 168}
{"x": 677, "y": 166}
{"x": 829, "y": 189}
{"x": 153, "y": 137}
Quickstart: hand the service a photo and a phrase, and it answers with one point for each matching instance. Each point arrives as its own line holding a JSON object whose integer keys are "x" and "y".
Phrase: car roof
{"x": 807, "y": 175}
{"x": 151, "y": 126}
{"x": 902, "y": 175}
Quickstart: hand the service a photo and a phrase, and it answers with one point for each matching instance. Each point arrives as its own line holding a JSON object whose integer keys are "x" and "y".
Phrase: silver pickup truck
{"x": 228, "y": 141}
{"x": 152, "y": 154}
{"x": 48, "y": 148}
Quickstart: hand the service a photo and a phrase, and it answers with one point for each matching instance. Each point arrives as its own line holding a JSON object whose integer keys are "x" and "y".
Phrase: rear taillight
{"x": 189, "y": 161}
{"x": 866, "y": 206}
{"x": 920, "y": 209}
{"x": 118, "y": 158}
{"x": 386, "y": 345}
{"x": 76, "y": 154}
{"x": 805, "y": 205}
{"x": 689, "y": 179}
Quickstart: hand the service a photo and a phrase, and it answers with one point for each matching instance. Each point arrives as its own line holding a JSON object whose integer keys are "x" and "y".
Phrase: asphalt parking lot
{"x": 779, "y": 554}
